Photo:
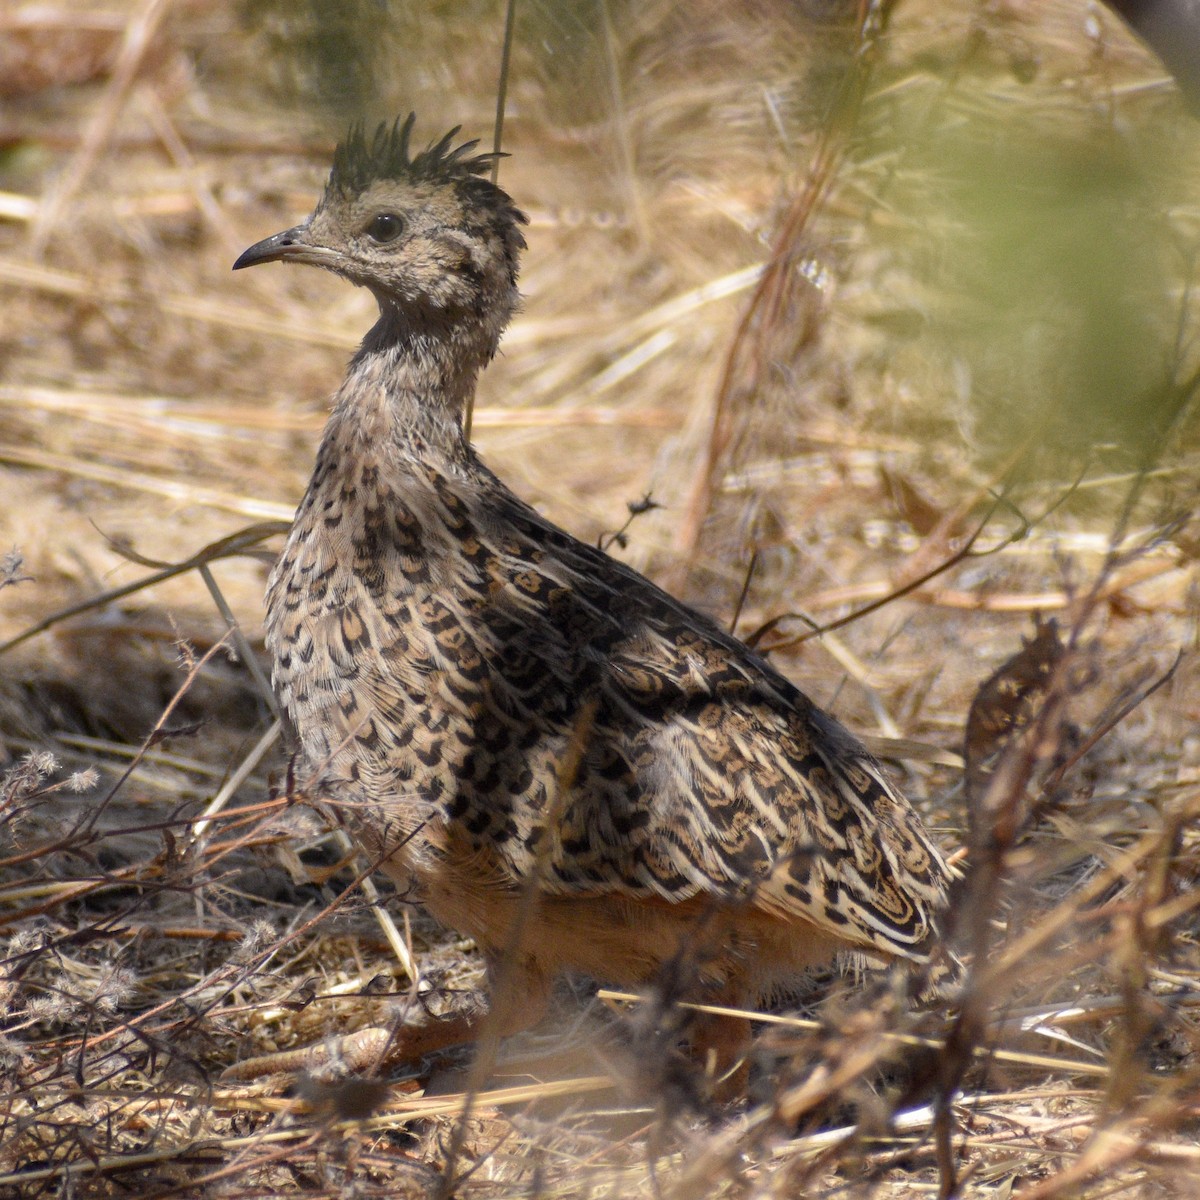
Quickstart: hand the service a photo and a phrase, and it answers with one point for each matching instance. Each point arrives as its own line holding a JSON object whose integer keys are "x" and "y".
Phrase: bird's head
{"x": 435, "y": 241}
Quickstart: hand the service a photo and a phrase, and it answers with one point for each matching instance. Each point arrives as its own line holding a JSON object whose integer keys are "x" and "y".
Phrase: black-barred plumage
{"x": 443, "y": 651}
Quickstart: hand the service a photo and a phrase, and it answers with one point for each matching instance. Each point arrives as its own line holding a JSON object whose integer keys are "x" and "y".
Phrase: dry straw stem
{"x": 775, "y": 300}
{"x": 138, "y": 34}
{"x": 239, "y": 543}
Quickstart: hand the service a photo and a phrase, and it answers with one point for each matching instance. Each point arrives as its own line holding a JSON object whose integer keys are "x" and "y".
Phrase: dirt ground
{"x": 894, "y": 324}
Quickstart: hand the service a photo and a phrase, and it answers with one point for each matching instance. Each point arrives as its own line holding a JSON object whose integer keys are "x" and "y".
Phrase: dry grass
{"x": 898, "y": 327}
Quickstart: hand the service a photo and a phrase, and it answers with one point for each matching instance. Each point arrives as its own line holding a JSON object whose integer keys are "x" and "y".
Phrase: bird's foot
{"x": 367, "y": 1051}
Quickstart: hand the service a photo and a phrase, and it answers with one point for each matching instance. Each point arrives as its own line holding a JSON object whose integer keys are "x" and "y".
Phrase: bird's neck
{"x": 406, "y": 389}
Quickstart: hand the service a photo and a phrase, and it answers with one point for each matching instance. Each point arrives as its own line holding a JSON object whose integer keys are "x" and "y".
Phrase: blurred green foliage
{"x": 1055, "y": 278}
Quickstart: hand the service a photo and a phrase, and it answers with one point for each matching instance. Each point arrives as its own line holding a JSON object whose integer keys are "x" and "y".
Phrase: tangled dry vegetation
{"x": 896, "y": 327}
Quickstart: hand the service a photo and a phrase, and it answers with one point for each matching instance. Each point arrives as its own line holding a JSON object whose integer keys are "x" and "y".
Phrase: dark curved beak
{"x": 290, "y": 245}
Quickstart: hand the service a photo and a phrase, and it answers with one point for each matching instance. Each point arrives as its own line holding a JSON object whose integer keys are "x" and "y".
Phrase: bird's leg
{"x": 720, "y": 1043}
{"x": 518, "y": 994}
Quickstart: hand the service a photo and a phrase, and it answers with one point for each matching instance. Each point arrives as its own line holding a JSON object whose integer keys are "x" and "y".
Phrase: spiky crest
{"x": 359, "y": 161}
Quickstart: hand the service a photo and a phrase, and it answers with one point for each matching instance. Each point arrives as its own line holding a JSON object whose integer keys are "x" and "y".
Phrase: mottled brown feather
{"x": 442, "y": 649}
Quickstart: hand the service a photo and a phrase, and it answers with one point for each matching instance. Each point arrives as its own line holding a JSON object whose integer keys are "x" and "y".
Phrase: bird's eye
{"x": 386, "y": 227}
